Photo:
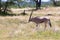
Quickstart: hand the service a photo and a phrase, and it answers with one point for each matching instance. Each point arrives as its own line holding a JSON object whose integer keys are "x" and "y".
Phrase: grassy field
{"x": 18, "y": 28}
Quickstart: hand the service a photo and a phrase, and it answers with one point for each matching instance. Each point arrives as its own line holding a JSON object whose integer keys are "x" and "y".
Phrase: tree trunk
{"x": 38, "y": 4}
{"x": 54, "y": 2}
{"x": 5, "y": 9}
{"x": 0, "y": 6}
{"x": 18, "y": 4}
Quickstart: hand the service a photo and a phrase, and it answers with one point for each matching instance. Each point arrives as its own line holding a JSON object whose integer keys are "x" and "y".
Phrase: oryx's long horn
{"x": 30, "y": 14}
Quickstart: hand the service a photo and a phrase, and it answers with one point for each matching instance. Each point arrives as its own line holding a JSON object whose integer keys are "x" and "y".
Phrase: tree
{"x": 38, "y": 4}
{"x": 56, "y": 2}
{"x": 7, "y": 4}
{"x": 0, "y": 5}
{"x": 4, "y": 6}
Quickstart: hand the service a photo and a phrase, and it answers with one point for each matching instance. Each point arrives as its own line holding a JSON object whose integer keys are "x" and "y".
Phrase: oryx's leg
{"x": 45, "y": 25}
{"x": 35, "y": 29}
{"x": 37, "y": 26}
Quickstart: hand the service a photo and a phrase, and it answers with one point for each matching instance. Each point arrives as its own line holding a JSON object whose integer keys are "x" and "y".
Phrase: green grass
{"x": 11, "y": 25}
{"x": 18, "y": 28}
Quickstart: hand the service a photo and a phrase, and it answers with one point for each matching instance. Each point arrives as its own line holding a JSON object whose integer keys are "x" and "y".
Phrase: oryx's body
{"x": 38, "y": 20}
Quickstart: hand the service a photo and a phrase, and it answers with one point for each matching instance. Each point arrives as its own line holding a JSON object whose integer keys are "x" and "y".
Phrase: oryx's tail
{"x": 50, "y": 23}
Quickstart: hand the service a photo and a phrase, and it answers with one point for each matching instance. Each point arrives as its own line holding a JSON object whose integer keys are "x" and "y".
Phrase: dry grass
{"x": 18, "y": 28}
